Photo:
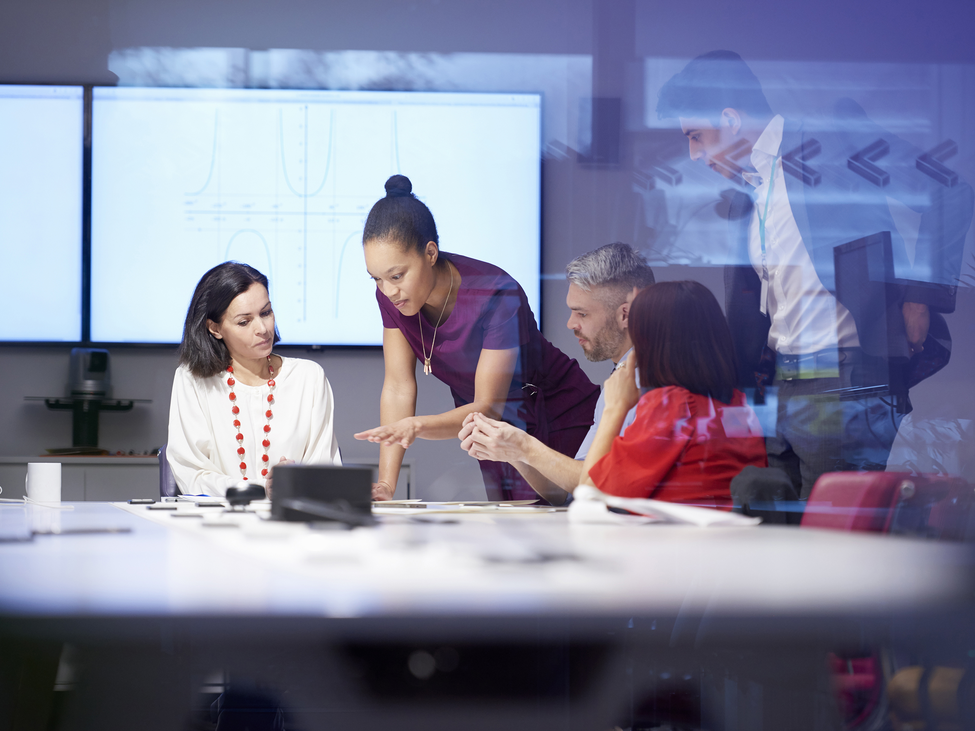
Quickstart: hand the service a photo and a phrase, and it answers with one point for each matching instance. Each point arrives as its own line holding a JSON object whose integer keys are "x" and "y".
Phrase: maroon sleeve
{"x": 501, "y": 328}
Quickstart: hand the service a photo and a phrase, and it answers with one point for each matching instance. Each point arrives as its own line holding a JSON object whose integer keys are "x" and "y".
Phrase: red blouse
{"x": 682, "y": 448}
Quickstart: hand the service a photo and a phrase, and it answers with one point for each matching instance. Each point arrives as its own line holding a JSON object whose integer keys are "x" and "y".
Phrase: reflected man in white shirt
{"x": 841, "y": 369}
{"x": 602, "y": 284}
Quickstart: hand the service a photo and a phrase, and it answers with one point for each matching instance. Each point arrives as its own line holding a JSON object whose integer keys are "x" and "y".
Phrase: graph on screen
{"x": 282, "y": 180}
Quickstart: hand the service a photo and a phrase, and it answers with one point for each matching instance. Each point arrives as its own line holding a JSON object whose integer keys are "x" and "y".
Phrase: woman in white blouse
{"x": 237, "y": 408}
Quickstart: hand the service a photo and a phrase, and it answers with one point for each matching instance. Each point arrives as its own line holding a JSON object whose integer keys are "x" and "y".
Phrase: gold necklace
{"x": 427, "y": 368}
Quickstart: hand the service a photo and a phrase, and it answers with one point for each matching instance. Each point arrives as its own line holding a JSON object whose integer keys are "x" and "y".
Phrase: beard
{"x": 605, "y": 344}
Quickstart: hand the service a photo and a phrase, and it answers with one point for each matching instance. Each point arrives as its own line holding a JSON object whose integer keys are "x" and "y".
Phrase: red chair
{"x": 929, "y": 506}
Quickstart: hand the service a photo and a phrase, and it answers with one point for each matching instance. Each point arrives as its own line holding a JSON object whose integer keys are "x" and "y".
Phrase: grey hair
{"x": 615, "y": 265}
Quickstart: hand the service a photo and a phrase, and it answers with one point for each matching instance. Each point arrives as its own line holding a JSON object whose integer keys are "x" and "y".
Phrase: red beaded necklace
{"x": 235, "y": 410}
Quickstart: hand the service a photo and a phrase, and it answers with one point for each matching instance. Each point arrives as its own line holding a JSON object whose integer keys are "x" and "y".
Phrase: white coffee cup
{"x": 44, "y": 482}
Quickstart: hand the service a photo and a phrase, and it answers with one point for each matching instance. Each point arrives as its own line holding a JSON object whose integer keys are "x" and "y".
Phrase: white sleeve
{"x": 587, "y": 442}
{"x": 591, "y": 434}
{"x": 323, "y": 447}
{"x": 190, "y": 446}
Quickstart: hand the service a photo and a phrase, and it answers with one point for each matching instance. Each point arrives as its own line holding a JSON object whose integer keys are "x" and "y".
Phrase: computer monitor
{"x": 866, "y": 285}
{"x": 184, "y": 179}
{"x": 41, "y": 196}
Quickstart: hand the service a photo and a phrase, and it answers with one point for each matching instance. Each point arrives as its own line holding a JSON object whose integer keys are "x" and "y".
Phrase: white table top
{"x": 497, "y": 565}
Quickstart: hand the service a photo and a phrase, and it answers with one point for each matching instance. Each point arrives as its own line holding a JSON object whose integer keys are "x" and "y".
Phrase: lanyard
{"x": 761, "y": 237}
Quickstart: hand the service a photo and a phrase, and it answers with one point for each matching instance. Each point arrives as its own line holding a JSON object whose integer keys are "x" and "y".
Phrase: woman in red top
{"x": 693, "y": 431}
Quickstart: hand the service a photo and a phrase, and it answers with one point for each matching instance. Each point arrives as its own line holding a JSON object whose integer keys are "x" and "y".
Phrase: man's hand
{"x": 484, "y": 438}
{"x": 620, "y": 389}
{"x": 465, "y": 432}
{"x": 400, "y": 433}
{"x": 917, "y": 320}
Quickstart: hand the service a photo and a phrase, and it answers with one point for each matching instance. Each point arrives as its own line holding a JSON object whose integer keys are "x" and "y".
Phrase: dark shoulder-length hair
{"x": 681, "y": 338}
{"x": 401, "y": 217}
{"x": 200, "y": 351}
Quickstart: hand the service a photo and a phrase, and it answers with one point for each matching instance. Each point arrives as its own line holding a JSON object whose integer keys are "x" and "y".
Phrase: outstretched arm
{"x": 397, "y": 404}
{"x": 400, "y": 425}
{"x": 491, "y": 382}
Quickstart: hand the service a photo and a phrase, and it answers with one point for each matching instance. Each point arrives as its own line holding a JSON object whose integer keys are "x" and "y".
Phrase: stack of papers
{"x": 593, "y": 506}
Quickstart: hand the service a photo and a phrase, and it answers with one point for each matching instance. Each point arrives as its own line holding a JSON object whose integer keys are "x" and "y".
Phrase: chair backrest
{"x": 167, "y": 483}
{"x": 766, "y": 493}
{"x": 931, "y": 506}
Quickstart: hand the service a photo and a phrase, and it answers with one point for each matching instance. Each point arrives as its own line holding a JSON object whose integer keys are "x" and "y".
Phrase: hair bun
{"x": 398, "y": 186}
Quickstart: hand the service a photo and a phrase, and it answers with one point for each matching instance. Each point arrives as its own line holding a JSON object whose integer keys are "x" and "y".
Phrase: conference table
{"x": 473, "y": 616}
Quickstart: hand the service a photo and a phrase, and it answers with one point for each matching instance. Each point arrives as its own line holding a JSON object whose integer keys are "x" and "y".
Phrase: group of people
{"x": 524, "y": 409}
{"x": 671, "y": 422}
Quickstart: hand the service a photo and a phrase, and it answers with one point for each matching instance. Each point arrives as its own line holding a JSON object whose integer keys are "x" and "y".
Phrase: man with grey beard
{"x": 602, "y": 284}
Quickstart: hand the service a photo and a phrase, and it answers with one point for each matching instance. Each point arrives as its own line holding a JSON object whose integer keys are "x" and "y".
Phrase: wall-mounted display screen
{"x": 41, "y": 186}
{"x": 183, "y": 179}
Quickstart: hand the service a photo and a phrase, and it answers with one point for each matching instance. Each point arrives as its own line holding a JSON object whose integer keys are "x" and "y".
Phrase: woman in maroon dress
{"x": 470, "y": 325}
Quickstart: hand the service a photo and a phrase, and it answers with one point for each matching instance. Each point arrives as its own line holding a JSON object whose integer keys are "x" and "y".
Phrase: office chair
{"x": 766, "y": 493}
{"x": 926, "y": 506}
{"x": 167, "y": 483}
{"x": 872, "y": 686}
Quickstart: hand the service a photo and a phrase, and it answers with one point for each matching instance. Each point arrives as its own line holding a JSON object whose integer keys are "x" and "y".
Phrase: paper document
{"x": 590, "y": 505}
